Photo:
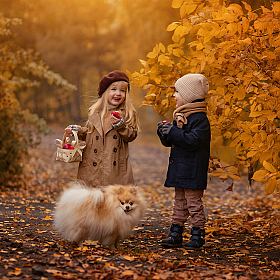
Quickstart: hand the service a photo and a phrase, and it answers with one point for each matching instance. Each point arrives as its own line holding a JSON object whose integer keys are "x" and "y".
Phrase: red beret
{"x": 112, "y": 77}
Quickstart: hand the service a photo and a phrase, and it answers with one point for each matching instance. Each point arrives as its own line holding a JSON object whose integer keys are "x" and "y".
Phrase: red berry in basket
{"x": 116, "y": 114}
{"x": 67, "y": 146}
{"x": 71, "y": 148}
{"x": 165, "y": 121}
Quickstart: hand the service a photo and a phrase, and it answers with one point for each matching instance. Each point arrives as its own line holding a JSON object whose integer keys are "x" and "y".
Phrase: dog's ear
{"x": 133, "y": 190}
{"x": 119, "y": 190}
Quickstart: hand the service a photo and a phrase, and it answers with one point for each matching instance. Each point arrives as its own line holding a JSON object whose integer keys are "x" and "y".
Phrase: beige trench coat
{"x": 106, "y": 159}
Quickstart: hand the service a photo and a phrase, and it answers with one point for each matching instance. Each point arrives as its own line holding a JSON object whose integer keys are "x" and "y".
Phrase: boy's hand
{"x": 166, "y": 128}
{"x": 160, "y": 125}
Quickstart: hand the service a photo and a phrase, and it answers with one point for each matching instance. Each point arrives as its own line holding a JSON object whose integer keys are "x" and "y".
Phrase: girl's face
{"x": 179, "y": 99}
{"x": 116, "y": 93}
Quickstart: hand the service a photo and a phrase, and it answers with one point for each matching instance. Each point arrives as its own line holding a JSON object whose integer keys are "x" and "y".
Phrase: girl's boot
{"x": 197, "y": 238}
{"x": 174, "y": 238}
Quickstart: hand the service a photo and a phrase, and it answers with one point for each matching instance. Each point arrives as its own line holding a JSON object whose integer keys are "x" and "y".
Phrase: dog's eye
{"x": 122, "y": 203}
{"x": 131, "y": 203}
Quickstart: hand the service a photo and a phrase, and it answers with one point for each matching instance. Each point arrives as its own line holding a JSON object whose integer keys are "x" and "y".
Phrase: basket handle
{"x": 75, "y": 137}
{"x": 61, "y": 143}
{"x": 63, "y": 139}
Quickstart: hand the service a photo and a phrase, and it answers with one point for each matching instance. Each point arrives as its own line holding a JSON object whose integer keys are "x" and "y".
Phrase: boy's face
{"x": 116, "y": 93}
{"x": 179, "y": 99}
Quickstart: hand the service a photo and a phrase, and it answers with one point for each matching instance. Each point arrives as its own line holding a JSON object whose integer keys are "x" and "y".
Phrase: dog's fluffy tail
{"x": 78, "y": 193}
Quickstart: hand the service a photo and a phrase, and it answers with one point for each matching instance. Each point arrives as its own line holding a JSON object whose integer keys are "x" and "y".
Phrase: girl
{"x": 189, "y": 138}
{"x": 106, "y": 156}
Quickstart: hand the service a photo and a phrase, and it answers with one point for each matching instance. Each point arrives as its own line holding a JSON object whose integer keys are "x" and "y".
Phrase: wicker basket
{"x": 67, "y": 155}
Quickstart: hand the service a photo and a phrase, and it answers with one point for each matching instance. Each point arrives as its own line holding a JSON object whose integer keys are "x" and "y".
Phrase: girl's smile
{"x": 116, "y": 93}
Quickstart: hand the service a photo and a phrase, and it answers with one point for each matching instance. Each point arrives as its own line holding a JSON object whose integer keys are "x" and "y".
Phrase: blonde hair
{"x": 101, "y": 105}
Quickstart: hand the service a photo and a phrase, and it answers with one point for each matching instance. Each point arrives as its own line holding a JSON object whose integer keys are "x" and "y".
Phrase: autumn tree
{"x": 238, "y": 50}
{"x": 19, "y": 128}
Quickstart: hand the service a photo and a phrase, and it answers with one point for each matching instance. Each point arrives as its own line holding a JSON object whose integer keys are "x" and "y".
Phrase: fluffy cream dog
{"x": 107, "y": 215}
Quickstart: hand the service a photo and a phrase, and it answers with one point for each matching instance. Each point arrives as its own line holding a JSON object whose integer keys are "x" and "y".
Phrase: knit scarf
{"x": 180, "y": 114}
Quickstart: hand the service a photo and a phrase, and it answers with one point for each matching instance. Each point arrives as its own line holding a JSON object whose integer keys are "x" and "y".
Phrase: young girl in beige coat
{"x": 106, "y": 156}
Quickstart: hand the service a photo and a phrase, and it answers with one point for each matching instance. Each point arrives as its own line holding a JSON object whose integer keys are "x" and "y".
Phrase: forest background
{"x": 82, "y": 41}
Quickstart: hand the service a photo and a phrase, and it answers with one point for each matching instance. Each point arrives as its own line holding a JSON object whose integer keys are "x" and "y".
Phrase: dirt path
{"x": 243, "y": 233}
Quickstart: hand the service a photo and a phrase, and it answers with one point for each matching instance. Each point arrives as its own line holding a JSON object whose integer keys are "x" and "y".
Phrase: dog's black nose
{"x": 127, "y": 207}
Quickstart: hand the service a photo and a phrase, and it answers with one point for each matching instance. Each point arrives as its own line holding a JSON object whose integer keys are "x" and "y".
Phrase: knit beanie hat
{"x": 192, "y": 87}
{"x": 112, "y": 77}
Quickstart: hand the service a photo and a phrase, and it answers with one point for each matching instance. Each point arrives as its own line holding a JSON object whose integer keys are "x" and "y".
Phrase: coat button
{"x": 95, "y": 151}
{"x": 115, "y": 137}
{"x": 96, "y": 137}
{"x": 171, "y": 161}
{"x": 173, "y": 146}
{"x": 94, "y": 163}
{"x": 114, "y": 163}
{"x": 115, "y": 150}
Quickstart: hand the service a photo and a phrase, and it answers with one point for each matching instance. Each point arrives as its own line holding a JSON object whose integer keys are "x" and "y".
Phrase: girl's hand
{"x": 114, "y": 120}
{"x": 68, "y": 130}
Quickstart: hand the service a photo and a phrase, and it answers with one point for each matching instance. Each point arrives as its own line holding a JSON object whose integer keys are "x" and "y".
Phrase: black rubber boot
{"x": 174, "y": 238}
{"x": 197, "y": 239}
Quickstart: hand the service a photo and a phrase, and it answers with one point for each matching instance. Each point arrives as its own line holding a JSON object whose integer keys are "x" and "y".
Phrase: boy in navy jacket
{"x": 189, "y": 138}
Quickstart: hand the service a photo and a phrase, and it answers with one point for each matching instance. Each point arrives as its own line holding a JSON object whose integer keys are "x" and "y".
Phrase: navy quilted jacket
{"x": 190, "y": 150}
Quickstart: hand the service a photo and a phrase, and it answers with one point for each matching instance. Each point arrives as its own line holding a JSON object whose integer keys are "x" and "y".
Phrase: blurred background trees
{"x": 84, "y": 40}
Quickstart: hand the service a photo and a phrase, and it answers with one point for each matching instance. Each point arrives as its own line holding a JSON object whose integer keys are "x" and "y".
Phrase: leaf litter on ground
{"x": 242, "y": 230}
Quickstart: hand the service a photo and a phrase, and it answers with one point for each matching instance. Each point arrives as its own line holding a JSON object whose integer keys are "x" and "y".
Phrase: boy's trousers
{"x": 188, "y": 203}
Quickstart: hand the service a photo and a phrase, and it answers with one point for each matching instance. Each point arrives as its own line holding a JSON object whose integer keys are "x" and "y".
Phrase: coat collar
{"x": 96, "y": 122}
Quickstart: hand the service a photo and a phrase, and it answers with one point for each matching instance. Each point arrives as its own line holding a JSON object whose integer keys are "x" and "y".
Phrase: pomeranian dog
{"x": 106, "y": 214}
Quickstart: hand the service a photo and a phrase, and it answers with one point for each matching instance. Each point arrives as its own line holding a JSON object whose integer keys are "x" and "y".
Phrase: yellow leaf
{"x": 269, "y": 167}
{"x": 233, "y": 169}
{"x": 247, "y": 6}
{"x": 17, "y": 271}
{"x": 142, "y": 81}
{"x": 276, "y": 7}
{"x": 236, "y": 9}
{"x": 152, "y": 54}
{"x": 252, "y": 16}
{"x": 260, "y": 25}
{"x": 260, "y": 175}
{"x": 180, "y": 31}
{"x": 270, "y": 185}
{"x": 235, "y": 142}
{"x": 177, "y": 3}
{"x": 162, "y": 47}
{"x": 128, "y": 258}
{"x": 240, "y": 94}
{"x": 127, "y": 273}
{"x": 172, "y": 26}
{"x": 48, "y": 218}
{"x": 245, "y": 24}
{"x": 224, "y": 176}
{"x": 178, "y": 52}
{"x": 187, "y": 9}
{"x": 228, "y": 134}
{"x": 229, "y": 17}
{"x": 232, "y": 28}
{"x": 203, "y": 62}
{"x": 251, "y": 154}
{"x": 235, "y": 177}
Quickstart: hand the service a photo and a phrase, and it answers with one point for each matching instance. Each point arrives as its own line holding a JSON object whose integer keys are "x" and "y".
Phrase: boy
{"x": 189, "y": 138}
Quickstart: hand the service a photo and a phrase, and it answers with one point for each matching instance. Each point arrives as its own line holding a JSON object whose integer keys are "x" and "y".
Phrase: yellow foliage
{"x": 238, "y": 50}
